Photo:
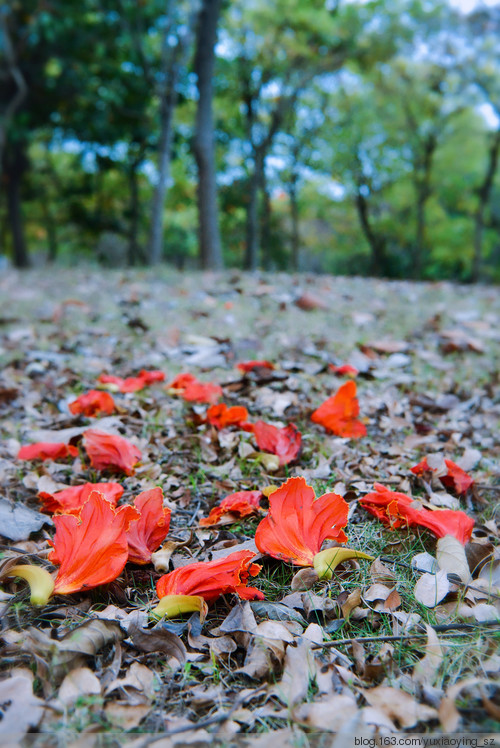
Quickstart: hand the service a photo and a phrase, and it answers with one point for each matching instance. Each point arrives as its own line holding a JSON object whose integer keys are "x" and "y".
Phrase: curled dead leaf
{"x": 432, "y": 588}
{"x": 450, "y": 554}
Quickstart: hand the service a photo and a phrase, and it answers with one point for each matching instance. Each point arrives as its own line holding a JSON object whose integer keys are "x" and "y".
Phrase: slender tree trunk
{"x": 423, "y": 189}
{"x": 204, "y": 146}
{"x": 294, "y": 215}
{"x": 50, "y": 227}
{"x": 266, "y": 238}
{"x": 252, "y": 226}
{"x": 378, "y": 264}
{"x": 133, "y": 226}
{"x": 15, "y": 166}
{"x": 484, "y": 194}
{"x": 168, "y": 100}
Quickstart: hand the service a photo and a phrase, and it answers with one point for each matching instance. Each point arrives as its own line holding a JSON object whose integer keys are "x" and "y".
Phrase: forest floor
{"x": 427, "y": 357}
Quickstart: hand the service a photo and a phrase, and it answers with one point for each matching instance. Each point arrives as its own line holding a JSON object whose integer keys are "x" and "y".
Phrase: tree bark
{"x": 378, "y": 263}
{"x": 133, "y": 227}
{"x": 252, "y": 223}
{"x": 422, "y": 182}
{"x": 294, "y": 215}
{"x": 204, "y": 146}
{"x": 484, "y": 194}
{"x": 14, "y": 167}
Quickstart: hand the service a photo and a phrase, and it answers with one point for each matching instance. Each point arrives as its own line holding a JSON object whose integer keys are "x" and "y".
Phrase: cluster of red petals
{"x": 93, "y": 403}
{"x": 298, "y": 523}
{"x": 147, "y": 534}
{"x": 346, "y": 370}
{"x": 339, "y": 413}
{"x": 108, "y": 452}
{"x": 221, "y": 416}
{"x": 247, "y": 366}
{"x": 241, "y": 504}
{"x": 90, "y": 549}
{"x": 194, "y": 391}
{"x": 285, "y": 442}
{"x": 399, "y": 510}
{"x": 133, "y": 384}
{"x": 455, "y": 478}
{"x": 70, "y": 500}
{"x": 47, "y": 451}
{"x": 211, "y": 579}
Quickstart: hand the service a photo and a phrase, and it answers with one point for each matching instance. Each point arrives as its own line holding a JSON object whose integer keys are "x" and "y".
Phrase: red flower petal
{"x": 195, "y": 391}
{"x": 339, "y": 413}
{"x": 47, "y": 451}
{"x": 110, "y": 452}
{"x": 297, "y": 523}
{"x": 71, "y": 499}
{"x": 91, "y": 549}
{"x": 147, "y": 534}
{"x": 397, "y": 510}
{"x": 247, "y": 366}
{"x": 285, "y": 442}
{"x": 213, "y": 578}
{"x": 92, "y": 404}
{"x": 221, "y": 416}
{"x": 241, "y": 503}
{"x": 344, "y": 370}
{"x": 456, "y": 478}
{"x": 133, "y": 384}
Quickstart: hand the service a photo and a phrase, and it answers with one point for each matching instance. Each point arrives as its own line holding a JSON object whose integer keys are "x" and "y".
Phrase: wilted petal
{"x": 91, "y": 549}
{"x": 247, "y": 366}
{"x": 297, "y": 523}
{"x": 71, "y": 499}
{"x": 212, "y": 579}
{"x": 455, "y": 477}
{"x": 148, "y": 533}
{"x": 47, "y": 451}
{"x": 339, "y": 413}
{"x": 110, "y": 452}
{"x": 221, "y": 416}
{"x": 93, "y": 403}
{"x": 285, "y": 442}
{"x": 241, "y": 503}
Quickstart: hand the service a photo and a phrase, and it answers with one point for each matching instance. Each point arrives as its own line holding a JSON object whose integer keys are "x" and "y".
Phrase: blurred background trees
{"x": 317, "y": 135}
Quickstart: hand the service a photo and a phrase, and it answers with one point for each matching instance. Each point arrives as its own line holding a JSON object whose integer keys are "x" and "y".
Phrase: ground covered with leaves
{"x": 405, "y": 641}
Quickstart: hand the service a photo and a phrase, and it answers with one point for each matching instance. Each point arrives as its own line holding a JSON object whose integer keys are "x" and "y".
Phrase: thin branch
{"x": 465, "y": 628}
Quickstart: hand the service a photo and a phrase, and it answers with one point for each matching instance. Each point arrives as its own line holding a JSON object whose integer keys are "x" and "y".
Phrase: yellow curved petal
{"x": 40, "y": 582}
{"x": 172, "y": 606}
{"x": 325, "y": 562}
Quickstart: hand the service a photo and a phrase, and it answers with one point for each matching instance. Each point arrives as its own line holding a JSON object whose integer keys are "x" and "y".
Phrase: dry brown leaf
{"x": 241, "y": 618}
{"x": 137, "y": 685}
{"x": 299, "y": 670}
{"x": 126, "y": 716}
{"x": 158, "y": 639}
{"x": 352, "y": 602}
{"x": 399, "y": 706}
{"x": 432, "y": 588}
{"x": 376, "y": 591}
{"x": 425, "y": 671}
{"x": 392, "y": 601}
{"x": 381, "y": 573}
{"x": 449, "y": 716}
{"x": 79, "y": 682}
{"x": 304, "y": 579}
{"x": 20, "y": 709}
{"x": 450, "y": 555}
{"x": 328, "y": 714}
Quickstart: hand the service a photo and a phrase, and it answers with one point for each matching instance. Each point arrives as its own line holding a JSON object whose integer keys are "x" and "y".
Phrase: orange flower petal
{"x": 297, "y": 523}
{"x": 285, "y": 442}
{"x": 221, "y": 416}
{"x": 241, "y": 503}
{"x": 211, "y": 579}
{"x": 247, "y": 366}
{"x": 92, "y": 404}
{"x": 47, "y": 451}
{"x": 148, "y": 533}
{"x": 194, "y": 391}
{"x": 71, "y": 499}
{"x": 345, "y": 370}
{"x": 456, "y": 478}
{"x": 339, "y": 413}
{"x": 91, "y": 549}
{"x": 110, "y": 452}
{"x": 133, "y": 384}
{"x": 397, "y": 510}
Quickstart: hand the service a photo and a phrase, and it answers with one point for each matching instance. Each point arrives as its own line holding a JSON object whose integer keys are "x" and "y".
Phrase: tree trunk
{"x": 378, "y": 264}
{"x": 50, "y": 227}
{"x": 15, "y": 166}
{"x": 266, "y": 238}
{"x": 204, "y": 146}
{"x": 168, "y": 98}
{"x": 252, "y": 227}
{"x": 294, "y": 215}
{"x": 484, "y": 194}
{"x": 133, "y": 227}
{"x": 423, "y": 189}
